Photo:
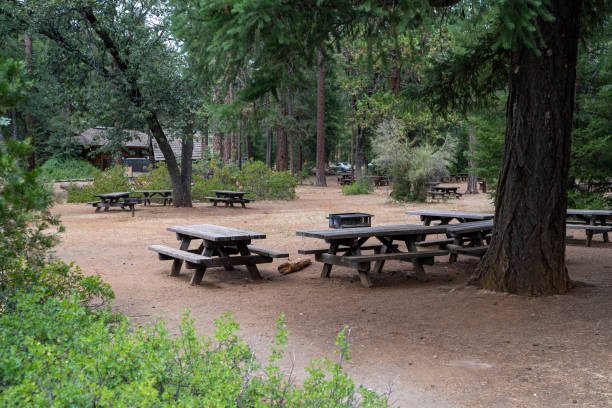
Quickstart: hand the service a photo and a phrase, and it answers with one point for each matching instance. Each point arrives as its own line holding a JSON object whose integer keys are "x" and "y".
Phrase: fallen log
{"x": 290, "y": 267}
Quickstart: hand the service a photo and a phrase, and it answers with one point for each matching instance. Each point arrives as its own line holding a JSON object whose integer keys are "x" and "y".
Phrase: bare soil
{"x": 438, "y": 343}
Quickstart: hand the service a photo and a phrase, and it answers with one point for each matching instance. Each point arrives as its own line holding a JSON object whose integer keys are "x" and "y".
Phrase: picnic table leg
{"x": 378, "y": 265}
{"x": 325, "y": 272}
{"x": 603, "y": 223}
{"x": 132, "y": 209}
{"x": 242, "y": 202}
{"x": 224, "y": 254}
{"x": 456, "y": 241}
{"x": 252, "y": 268}
{"x": 363, "y": 267}
{"x": 198, "y": 274}
{"x": 419, "y": 272}
{"x": 177, "y": 263}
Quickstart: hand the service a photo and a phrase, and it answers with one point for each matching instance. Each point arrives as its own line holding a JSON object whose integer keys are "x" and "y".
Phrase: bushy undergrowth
{"x": 61, "y": 353}
{"x": 55, "y": 169}
{"x": 362, "y": 185}
{"x": 109, "y": 181}
{"x": 255, "y": 178}
{"x": 592, "y": 201}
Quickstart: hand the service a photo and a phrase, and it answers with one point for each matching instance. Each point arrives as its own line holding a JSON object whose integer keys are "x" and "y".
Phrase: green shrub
{"x": 265, "y": 184}
{"x": 109, "y": 181}
{"x": 26, "y": 224}
{"x": 156, "y": 179}
{"x": 591, "y": 201}
{"x": 55, "y": 169}
{"x": 362, "y": 185}
{"x": 59, "y": 353}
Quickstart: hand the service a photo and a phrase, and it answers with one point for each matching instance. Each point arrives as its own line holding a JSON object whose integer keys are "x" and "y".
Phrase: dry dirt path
{"x": 438, "y": 343}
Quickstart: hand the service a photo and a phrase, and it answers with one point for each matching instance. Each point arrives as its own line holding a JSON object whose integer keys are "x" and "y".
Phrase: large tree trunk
{"x": 181, "y": 181}
{"x": 527, "y": 251}
{"x": 290, "y": 135}
{"x": 282, "y": 162}
{"x": 321, "y": 159}
{"x": 359, "y": 156}
{"x": 472, "y": 182}
{"x": 218, "y": 144}
{"x": 227, "y": 147}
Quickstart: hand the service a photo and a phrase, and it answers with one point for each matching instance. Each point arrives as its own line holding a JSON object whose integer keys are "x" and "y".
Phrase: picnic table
{"x": 119, "y": 199}
{"x": 346, "y": 248}
{"x": 379, "y": 181}
{"x": 220, "y": 246}
{"x": 346, "y": 179}
{"x": 427, "y": 216}
{"x": 592, "y": 221}
{"x": 444, "y": 192}
{"x": 164, "y": 195}
{"x": 469, "y": 238}
{"x": 228, "y": 197}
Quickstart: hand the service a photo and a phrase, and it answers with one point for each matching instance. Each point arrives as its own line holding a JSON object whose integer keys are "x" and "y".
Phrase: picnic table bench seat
{"x": 167, "y": 253}
{"x": 591, "y": 230}
{"x": 315, "y": 251}
{"x": 267, "y": 252}
{"x": 402, "y": 256}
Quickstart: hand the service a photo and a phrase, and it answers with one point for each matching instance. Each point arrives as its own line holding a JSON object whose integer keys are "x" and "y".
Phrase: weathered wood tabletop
{"x": 228, "y": 193}
{"x": 222, "y": 242}
{"x": 352, "y": 242}
{"x": 113, "y": 196}
{"x": 427, "y": 216}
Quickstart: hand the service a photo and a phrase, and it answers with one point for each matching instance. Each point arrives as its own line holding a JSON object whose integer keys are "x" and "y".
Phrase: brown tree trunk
{"x": 218, "y": 144}
{"x": 227, "y": 147}
{"x": 472, "y": 182}
{"x": 290, "y": 135}
{"x": 321, "y": 158}
{"x": 269, "y": 141}
{"x": 527, "y": 251}
{"x": 359, "y": 156}
{"x": 395, "y": 81}
{"x": 282, "y": 162}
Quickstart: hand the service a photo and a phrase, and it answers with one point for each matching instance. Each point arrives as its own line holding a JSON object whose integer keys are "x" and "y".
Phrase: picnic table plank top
{"x": 457, "y": 229}
{"x": 211, "y": 232}
{"x": 228, "y": 192}
{"x": 454, "y": 214}
{"x": 385, "y": 230}
{"x": 589, "y": 212}
{"x": 153, "y": 191}
{"x": 444, "y": 188}
{"x": 114, "y": 195}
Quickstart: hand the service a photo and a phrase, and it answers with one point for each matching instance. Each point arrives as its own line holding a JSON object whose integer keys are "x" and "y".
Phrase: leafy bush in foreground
{"x": 54, "y": 169}
{"x": 59, "y": 353}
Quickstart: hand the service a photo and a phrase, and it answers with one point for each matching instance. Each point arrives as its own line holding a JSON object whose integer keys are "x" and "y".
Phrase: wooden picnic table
{"x": 119, "y": 199}
{"x": 444, "y": 191}
{"x": 351, "y": 243}
{"x": 346, "y": 179}
{"x": 469, "y": 238}
{"x": 228, "y": 197}
{"x": 595, "y": 221}
{"x": 165, "y": 195}
{"x": 379, "y": 181}
{"x": 220, "y": 246}
{"x": 427, "y": 216}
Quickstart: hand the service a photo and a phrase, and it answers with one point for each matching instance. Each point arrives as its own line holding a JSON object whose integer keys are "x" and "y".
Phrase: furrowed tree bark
{"x": 527, "y": 251}
{"x": 218, "y": 144}
{"x": 282, "y": 161}
{"x": 290, "y": 135}
{"x": 321, "y": 159}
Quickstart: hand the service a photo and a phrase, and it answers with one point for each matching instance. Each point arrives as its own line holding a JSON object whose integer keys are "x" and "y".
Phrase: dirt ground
{"x": 436, "y": 343}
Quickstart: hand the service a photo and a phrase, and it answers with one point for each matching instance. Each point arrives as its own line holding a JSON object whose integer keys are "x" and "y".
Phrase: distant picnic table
{"x": 427, "y": 216}
{"x": 228, "y": 197}
{"x": 163, "y": 195}
{"x": 119, "y": 199}
{"x": 592, "y": 221}
{"x": 379, "y": 181}
{"x": 346, "y": 179}
{"x": 220, "y": 246}
{"x": 444, "y": 192}
{"x": 346, "y": 248}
